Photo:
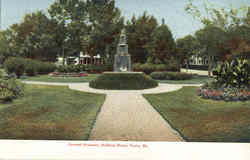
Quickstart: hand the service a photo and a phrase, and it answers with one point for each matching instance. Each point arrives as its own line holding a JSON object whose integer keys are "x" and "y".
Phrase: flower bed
{"x": 232, "y": 82}
{"x": 226, "y": 94}
{"x": 58, "y": 74}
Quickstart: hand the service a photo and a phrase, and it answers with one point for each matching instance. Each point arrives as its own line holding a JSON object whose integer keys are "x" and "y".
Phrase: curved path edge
{"x": 162, "y": 88}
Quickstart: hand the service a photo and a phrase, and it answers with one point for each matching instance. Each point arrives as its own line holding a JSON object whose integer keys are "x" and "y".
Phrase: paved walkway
{"x": 128, "y": 116}
{"x": 199, "y": 72}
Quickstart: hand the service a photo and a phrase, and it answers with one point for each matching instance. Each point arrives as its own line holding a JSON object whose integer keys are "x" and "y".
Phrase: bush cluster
{"x": 123, "y": 81}
{"x": 10, "y": 89}
{"x": 148, "y": 68}
{"x": 233, "y": 74}
{"x": 171, "y": 76}
{"x": 19, "y": 66}
{"x": 84, "y": 68}
{"x": 71, "y": 68}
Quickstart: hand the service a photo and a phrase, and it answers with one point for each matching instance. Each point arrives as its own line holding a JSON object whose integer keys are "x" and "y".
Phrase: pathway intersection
{"x": 127, "y": 116}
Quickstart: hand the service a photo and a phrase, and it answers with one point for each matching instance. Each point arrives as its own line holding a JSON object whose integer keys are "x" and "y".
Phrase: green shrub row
{"x": 148, "y": 68}
{"x": 19, "y": 66}
{"x": 84, "y": 68}
{"x": 123, "y": 81}
{"x": 171, "y": 76}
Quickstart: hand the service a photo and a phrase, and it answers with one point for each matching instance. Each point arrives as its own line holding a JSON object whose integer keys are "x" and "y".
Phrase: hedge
{"x": 85, "y": 68}
{"x": 19, "y": 66}
{"x": 148, "y": 68}
{"x": 123, "y": 81}
{"x": 15, "y": 65}
{"x": 171, "y": 76}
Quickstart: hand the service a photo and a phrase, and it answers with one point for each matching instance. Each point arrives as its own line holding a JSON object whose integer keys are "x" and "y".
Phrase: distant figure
{"x": 187, "y": 65}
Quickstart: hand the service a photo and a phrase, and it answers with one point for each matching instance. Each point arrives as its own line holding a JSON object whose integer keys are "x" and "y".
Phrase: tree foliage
{"x": 187, "y": 46}
{"x": 162, "y": 46}
{"x": 139, "y": 33}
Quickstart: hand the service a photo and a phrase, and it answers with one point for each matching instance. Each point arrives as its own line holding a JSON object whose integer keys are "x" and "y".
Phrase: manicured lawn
{"x": 203, "y": 120}
{"x": 46, "y": 78}
{"x": 50, "y": 113}
{"x": 195, "y": 80}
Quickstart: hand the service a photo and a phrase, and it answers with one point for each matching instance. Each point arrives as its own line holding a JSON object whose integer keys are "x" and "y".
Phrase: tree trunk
{"x": 63, "y": 57}
{"x": 210, "y": 66}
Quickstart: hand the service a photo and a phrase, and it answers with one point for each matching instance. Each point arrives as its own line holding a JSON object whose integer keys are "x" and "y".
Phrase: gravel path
{"x": 128, "y": 116}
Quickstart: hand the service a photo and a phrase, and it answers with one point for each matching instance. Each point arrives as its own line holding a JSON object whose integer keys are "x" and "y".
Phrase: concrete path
{"x": 127, "y": 116}
{"x": 199, "y": 72}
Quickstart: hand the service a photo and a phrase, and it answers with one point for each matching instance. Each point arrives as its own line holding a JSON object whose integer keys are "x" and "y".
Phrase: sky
{"x": 172, "y": 11}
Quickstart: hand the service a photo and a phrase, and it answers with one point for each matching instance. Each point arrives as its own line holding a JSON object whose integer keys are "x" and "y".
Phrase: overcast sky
{"x": 172, "y": 11}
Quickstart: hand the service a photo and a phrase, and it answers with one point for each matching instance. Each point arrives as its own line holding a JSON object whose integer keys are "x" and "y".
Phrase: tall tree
{"x": 6, "y": 45}
{"x": 212, "y": 40}
{"x": 71, "y": 15}
{"x": 220, "y": 22}
{"x": 186, "y": 47}
{"x": 139, "y": 33}
{"x": 162, "y": 47}
{"x": 106, "y": 23}
{"x": 34, "y": 37}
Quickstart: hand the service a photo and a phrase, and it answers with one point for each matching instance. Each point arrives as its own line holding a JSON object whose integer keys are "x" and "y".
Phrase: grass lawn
{"x": 46, "y": 78}
{"x": 199, "y": 120}
{"x": 195, "y": 80}
{"x": 50, "y": 113}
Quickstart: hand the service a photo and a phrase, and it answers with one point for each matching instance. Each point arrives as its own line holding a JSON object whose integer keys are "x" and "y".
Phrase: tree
{"x": 106, "y": 24}
{"x": 33, "y": 38}
{"x": 163, "y": 47}
{"x": 223, "y": 18}
{"x": 212, "y": 40}
{"x": 221, "y": 35}
{"x": 91, "y": 26}
{"x": 72, "y": 18}
{"x": 5, "y": 45}
{"x": 139, "y": 33}
{"x": 186, "y": 47}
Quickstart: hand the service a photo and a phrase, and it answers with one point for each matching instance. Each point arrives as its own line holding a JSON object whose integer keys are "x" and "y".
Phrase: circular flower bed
{"x": 60, "y": 74}
{"x": 224, "y": 93}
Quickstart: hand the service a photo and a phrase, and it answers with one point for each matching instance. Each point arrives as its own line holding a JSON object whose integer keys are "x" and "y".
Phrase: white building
{"x": 83, "y": 59}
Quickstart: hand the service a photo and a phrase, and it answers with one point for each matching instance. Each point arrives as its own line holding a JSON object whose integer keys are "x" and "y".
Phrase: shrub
{"x": 123, "y": 81}
{"x": 99, "y": 68}
{"x": 15, "y": 65}
{"x": 10, "y": 89}
{"x": 171, "y": 76}
{"x": 45, "y": 67}
{"x": 31, "y": 67}
{"x": 158, "y": 75}
{"x": 148, "y": 68}
{"x": 235, "y": 73}
{"x": 19, "y": 66}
